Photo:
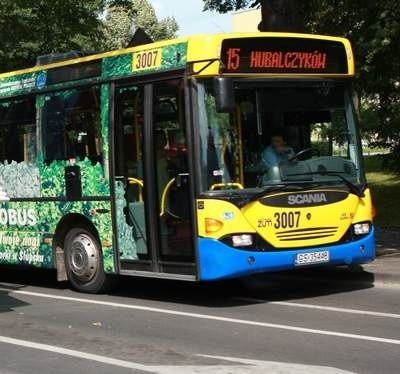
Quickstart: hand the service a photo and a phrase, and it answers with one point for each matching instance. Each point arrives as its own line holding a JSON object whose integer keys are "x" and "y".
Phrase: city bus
{"x": 149, "y": 161}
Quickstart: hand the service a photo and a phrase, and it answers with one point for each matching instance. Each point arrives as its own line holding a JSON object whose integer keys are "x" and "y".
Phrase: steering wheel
{"x": 303, "y": 152}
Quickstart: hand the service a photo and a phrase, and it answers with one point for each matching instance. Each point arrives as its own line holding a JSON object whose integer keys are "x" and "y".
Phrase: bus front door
{"x": 153, "y": 218}
{"x": 172, "y": 172}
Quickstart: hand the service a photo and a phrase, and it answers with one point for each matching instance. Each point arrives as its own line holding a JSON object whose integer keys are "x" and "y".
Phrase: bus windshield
{"x": 281, "y": 133}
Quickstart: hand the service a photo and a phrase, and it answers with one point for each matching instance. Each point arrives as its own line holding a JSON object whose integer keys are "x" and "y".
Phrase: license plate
{"x": 319, "y": 257}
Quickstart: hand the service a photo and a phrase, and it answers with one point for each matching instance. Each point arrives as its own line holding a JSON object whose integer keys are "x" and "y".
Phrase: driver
{"x": 278, "y": 151}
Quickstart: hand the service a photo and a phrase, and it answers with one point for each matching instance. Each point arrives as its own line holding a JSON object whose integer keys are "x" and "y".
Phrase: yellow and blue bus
{"x": 151, "y": 161}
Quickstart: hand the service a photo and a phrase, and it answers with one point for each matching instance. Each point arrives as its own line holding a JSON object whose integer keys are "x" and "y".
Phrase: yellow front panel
{"x": 287, "y": 226}
{"x": 231, "y": 217}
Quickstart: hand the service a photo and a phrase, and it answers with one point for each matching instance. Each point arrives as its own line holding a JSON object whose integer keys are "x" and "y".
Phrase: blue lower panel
{"x": 219, "y": 261}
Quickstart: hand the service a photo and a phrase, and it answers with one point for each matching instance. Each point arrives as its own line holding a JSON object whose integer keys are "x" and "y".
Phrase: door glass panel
{"x": 129, "y": 179}
{"x": 172, "y": 172}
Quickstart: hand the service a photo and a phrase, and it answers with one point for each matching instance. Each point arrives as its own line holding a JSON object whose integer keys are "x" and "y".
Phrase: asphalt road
{"x": 257, "y": 325}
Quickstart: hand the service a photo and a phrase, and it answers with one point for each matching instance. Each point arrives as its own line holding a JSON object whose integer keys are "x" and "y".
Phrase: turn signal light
{"x": 213, "y": 225}
{"x": 373, "y": 211}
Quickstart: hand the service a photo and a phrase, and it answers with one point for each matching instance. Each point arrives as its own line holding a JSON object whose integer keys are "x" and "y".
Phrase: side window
{"x": 129, "y": 120}
{"x": 71, "y": 125}
{"x": 18, "y": 131}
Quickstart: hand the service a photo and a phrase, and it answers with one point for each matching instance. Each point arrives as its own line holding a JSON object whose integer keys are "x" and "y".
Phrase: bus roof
{"x": 178, "y": 53}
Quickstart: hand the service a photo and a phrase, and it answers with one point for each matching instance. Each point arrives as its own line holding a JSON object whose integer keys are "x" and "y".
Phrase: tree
{"x": 122, "y": 20}
{"x": 117, "y": 27}
{"x": 31, "y": 28}
{"x": 374, "y": 30}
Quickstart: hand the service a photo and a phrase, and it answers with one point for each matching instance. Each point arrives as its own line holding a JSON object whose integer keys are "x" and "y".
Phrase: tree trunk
{"x": 282, "y": 16}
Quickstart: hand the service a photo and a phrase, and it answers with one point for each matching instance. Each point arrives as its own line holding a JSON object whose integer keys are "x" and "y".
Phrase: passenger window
{"x": 18, "y": 131}
{"x": 71, "y": 125}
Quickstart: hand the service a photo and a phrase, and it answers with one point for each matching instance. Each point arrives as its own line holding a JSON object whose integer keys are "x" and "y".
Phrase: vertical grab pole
{"x": 258, "y": 111}
{"x": 240, "y": 143}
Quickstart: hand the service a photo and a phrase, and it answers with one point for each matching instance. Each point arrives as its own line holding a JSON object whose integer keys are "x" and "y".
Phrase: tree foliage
{"x": 146, "y": 19}
{"x": 374, "y": 30}
{"x": 118, "y": 27}
{"x": 122, "y": 19}
{"x": 32, "y": 28}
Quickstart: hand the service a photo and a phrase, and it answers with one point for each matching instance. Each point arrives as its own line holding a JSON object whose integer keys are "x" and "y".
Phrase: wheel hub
{"x": 83, "y": 257}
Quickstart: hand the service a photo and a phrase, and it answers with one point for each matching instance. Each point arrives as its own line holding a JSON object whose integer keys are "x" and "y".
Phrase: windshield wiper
{"x": 354, "y": 189}
{"x": 240, "y": 198}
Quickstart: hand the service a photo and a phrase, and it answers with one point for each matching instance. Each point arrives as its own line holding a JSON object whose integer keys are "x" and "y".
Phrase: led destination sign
{"x": 283, "y": 55}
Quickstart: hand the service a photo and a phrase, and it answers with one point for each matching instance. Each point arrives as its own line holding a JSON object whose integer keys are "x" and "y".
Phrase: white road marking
{"x": 321, "y": 307}
{"x": 72, "y": 353}
{"x": 246, "y": 366}
{"x": 209, "y": 317}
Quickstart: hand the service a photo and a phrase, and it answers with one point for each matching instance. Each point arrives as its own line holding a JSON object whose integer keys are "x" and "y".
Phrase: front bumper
{"x": 219, "y": 261}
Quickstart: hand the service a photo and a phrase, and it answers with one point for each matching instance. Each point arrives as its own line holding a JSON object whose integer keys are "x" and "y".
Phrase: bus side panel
{"x": 27, "y": 229}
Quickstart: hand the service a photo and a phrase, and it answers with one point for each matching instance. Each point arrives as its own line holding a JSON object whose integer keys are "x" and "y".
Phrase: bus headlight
{"x": 243, "y": 240}
{"x": 362, "y": 228}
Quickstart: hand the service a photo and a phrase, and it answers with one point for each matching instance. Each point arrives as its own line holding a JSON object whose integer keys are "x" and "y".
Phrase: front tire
{"x": 84, "y": 261}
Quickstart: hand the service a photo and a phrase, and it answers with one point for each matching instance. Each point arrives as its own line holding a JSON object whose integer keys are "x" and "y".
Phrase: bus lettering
{"x": 287, "y": 220}
{"x": 310, "y": 198}
{"x": 147, "y": 59}
{"x": 233, "y": 58}
{"x": 18, "y": 217}
{"x": 30, "y": 258}
{"x": 283, "y": 60}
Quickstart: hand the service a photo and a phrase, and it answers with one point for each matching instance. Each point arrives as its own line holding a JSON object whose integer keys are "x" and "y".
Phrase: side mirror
{"x": 224, "y": 95}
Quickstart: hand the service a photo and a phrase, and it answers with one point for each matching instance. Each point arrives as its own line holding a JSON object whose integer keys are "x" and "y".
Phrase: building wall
{"x": 247, "y": 20}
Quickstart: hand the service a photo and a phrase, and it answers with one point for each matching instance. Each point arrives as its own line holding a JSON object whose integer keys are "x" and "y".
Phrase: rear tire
{"x": 84, "y": 261}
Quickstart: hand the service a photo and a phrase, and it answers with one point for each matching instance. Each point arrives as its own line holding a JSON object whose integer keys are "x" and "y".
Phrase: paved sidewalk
{"x": 388, "y": 241}
{"x": 386, "y": 267}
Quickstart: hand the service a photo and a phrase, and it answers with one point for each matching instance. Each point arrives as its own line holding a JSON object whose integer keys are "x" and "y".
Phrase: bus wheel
{"x": 83, "y": 261}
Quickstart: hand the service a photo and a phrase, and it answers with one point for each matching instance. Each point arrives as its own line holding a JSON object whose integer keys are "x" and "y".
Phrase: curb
{"x": 385, "y": 279}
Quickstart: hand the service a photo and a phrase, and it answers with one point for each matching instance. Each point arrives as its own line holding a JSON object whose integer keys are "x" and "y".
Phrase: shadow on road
{"x": 30, "y": 276}
{"x": 270, "y": 287}
{"x": 308, "y": 283}
{"x": 9, "y": 303}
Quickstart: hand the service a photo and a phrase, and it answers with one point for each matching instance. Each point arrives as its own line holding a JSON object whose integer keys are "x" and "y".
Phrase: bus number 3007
{"x": 146, "y": 60}
{"x": 287, "y": 220}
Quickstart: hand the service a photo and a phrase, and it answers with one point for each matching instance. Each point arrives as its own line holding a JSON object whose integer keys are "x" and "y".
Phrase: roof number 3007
{"x": 149, "y": 59}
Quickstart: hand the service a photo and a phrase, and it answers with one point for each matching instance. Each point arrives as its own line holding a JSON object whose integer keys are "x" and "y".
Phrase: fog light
{"x": 362, "y": 228}
{"x": 243, "y": 240}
